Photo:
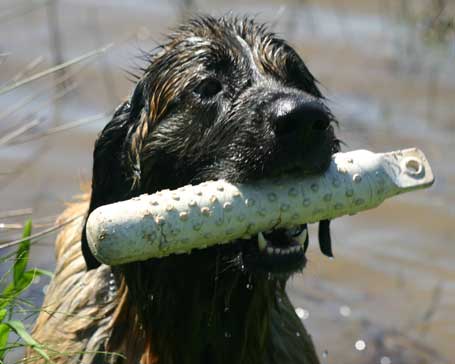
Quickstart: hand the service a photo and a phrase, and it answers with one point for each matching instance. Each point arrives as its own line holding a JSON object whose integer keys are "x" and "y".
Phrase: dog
{"x": 222, "y": 98}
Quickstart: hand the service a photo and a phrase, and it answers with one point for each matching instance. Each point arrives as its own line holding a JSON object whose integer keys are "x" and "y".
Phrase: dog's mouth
{"x": 276, "y": 251}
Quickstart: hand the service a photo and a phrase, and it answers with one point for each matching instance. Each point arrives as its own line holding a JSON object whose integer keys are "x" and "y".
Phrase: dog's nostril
{"x": 300, "y": 118}
{"x": 286, "y": 124}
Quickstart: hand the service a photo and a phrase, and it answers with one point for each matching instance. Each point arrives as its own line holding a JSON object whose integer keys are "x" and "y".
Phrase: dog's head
{"x": 222, "y": 99}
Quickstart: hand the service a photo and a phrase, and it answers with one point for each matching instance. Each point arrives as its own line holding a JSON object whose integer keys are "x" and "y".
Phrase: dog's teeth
{"x": 262, "y": 243}
{"x": 269, "y": 250}
{"x": 301, "y": 238}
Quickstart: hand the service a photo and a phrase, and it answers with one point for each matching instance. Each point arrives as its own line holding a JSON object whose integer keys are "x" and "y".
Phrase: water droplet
{"x": 360, "y": 345}
{"x": 327, "y": 197}
{"x": 271, "y": 197}
{"x": 325, "y": 353}
{"x": 284, "y": 207}
{"x": 175, "y": 197}
{"x": 36, "y": 279}
{"x": 249, "y": 202}
{"x": 226, "y": 308}
{"x": 227, "y": 206}
{"x": 192, "y": 203}
{"x": 45, "y": 288}
{"x": 302, "y": 313}
{"x": 249, "y": 286}
{"x": 345, "y": 311}
{"x": 306, "y": 202}
{"x": 227, "y": 335}
{"x": 349, "y": 193}
{"x": 220, "y": 188}
{"x": 262, "y": 212}
{"x": 151, "y": 297}
{"x": 293, "y": 192}
{"x": 205, "y": 211}
{"x": 174, "y": 231}
{"x": 183, "y": 216}
{"x": 269, "y": 276}
{"x": 359, "y": 201}
{"x": 357, "y": 178}
{"x": 385, "y": 360}
{"x": 297, "y": 334}
{"x": 314, "y": 187}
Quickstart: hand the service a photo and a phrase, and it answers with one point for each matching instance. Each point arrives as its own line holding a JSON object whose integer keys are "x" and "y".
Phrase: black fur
{"x": 221, "y": 99}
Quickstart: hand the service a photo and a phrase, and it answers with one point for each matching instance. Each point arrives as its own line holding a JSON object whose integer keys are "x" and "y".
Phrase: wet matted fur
{"x": 221, "y": 98}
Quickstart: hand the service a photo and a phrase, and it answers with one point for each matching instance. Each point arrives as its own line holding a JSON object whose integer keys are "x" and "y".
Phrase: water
{"x": 393, "y": 276}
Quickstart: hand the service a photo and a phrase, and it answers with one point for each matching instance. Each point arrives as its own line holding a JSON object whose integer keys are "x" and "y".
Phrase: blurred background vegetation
{"x": 388, "y": 69}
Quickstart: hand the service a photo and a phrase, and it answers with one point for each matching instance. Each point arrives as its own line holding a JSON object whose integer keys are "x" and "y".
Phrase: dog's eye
{"x": 208, "y": 88}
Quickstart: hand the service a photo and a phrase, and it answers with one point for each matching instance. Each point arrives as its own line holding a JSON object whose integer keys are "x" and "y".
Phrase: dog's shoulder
{"x": 71, "y": 219}
{"x": 78, "y": 306}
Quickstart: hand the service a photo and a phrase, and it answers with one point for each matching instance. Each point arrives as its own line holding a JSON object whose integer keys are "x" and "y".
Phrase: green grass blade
{"x": 14, "y": 289}
{"x": 42, "y": 272}
{"x": 4, "y": 333}
{"x": 22, "y": 254}
{"x": 3, "y": 313}
{"x": 19, "y": 329}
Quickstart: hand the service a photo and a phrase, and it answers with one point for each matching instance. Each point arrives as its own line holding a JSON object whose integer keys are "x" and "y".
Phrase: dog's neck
{"x": 186, "y": 317}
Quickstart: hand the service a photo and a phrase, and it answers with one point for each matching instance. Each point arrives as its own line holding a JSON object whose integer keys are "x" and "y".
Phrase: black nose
{"x": 298, "y": 117}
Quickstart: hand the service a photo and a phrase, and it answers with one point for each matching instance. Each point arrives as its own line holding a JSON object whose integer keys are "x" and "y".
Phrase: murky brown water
{"x": 392, "y": 284}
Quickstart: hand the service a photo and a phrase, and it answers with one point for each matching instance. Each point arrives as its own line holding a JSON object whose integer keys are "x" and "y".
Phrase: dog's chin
{"x": 276, "y": 252}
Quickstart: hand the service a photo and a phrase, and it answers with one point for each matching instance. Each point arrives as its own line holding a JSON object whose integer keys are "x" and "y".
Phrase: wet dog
{"x": 220, "y": 99}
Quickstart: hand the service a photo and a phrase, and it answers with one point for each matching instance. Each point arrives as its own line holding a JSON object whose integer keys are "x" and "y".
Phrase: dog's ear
{"x": 111, "y": 181}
